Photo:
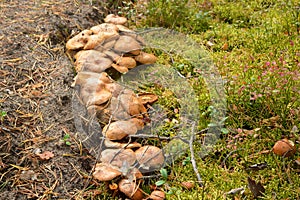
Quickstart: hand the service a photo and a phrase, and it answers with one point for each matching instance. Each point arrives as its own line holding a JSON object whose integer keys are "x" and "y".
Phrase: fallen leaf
{"x": 235, "y": 190}
{"x": 257, "y": 189}
{"x": 297, "y": 161}
{"x": 45, "y": 155}
{"x": 258, "y": 166}
{"x": 188, "y": 184}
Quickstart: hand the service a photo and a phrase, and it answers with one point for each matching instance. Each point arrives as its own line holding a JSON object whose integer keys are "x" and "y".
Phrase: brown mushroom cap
{"x": 284, "y": 147}
{"x": 115, "y": 19}
{"x": 130, "y": 189}
{"x": 92, "y": 60}
{"x": 79, "y": 40}
{"x": 96, "y": 40}
{"x": 139, "y": 124}
{"x": 146, "y": 58}
{"x": 118, "y": 157}
{"x": 131, "y": 103}
{"x": 119, "y": 129}
{"x": 95, "y": 89}
{"x": 105, "y": 172}
{"x": 127, "y": 62}
{"x": 111, "y": 54}
{"x": 119, "y": 68}
{"x": 127, "y": 44}
{"x": 105, "y": 27}
{"x": 149, "y": 157}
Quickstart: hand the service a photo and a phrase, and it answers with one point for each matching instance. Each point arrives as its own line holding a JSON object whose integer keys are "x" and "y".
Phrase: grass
{"x": 255, "y": 46}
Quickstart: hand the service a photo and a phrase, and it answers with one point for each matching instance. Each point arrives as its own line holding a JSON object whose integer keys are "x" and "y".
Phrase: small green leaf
{"x": 68, "y": 143}
{"x": 224, "y": 130}
{"x": 186, "y": 161}
{"x": 160, "y": 183}
{"x": 67, "y": 136}
{"x": 164, "y": 173}
{"x": 3, "y": 113}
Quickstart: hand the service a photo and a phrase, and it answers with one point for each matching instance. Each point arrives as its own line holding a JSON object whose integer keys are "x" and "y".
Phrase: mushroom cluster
{"x": 100, "y": 52}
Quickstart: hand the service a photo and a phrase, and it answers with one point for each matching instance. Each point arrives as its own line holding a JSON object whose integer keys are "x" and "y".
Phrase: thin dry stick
{"x": 193, "y": 156}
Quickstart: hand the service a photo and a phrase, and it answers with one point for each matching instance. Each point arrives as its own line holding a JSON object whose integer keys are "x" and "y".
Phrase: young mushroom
{"x": 145, "y": 58}
{"x": 131, "y": 189}
{"x": 115, "y": 19}
{"x": 131, "y": 103}
{"x": 127, "y": 62}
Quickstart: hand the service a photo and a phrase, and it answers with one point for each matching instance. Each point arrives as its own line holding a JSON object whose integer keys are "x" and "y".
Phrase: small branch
{"x": 193, "y": 157}
{"x": 149, "y": 136}
{"x": 228, "y": 155}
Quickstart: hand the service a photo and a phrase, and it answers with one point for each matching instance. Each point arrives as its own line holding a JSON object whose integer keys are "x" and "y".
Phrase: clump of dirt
{"x": 35, "y": 99}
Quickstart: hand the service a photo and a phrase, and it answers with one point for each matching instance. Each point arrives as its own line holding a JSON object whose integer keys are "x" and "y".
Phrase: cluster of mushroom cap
{"x": 113, "y": 47}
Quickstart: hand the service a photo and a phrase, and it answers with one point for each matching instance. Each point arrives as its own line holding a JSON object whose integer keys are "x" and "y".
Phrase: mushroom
{"x": 119, "y": 68}
{"x": 130, "y": 189}
{"x": 145, "y": 58}
{"x": 118, "y": 157}
{"x": 79, "y": 40}
{"x": 127, "y": 62}
{"x": 120, "y": 129}
{"x": 92, "y": 60}
{"x": 95, "y": 89}
{"x": 131, "y": 103}
{"x": 127, "y": 44}
{"x": 284, "y": 147}
{"x": 105, "y": 172}
{"x": 96, "y": 40}
{"x": 105, "y": 27}
{"x": 110, "y": 42}
{"x": 149, "y": 157}
{"x": 111, "y": 144}
{"x": 135, "y": 175}
{"x": 115, "y": 19}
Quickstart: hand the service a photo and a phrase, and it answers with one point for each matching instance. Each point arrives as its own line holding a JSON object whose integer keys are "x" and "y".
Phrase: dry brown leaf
{"x": 257, "y": 189}
{"x": 46, "y": 155}
{"x": 157, "y": 195}
{"x": 188, "y": 184}
{"x": 147, "y": 98}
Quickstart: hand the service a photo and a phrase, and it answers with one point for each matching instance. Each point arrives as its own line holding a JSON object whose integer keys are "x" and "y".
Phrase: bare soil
{"x": 35, "y": 92}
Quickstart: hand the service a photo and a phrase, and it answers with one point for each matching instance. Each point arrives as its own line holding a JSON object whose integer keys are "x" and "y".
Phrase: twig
{"x": 230, "y": 153}
{"x": 193, "y": 157}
